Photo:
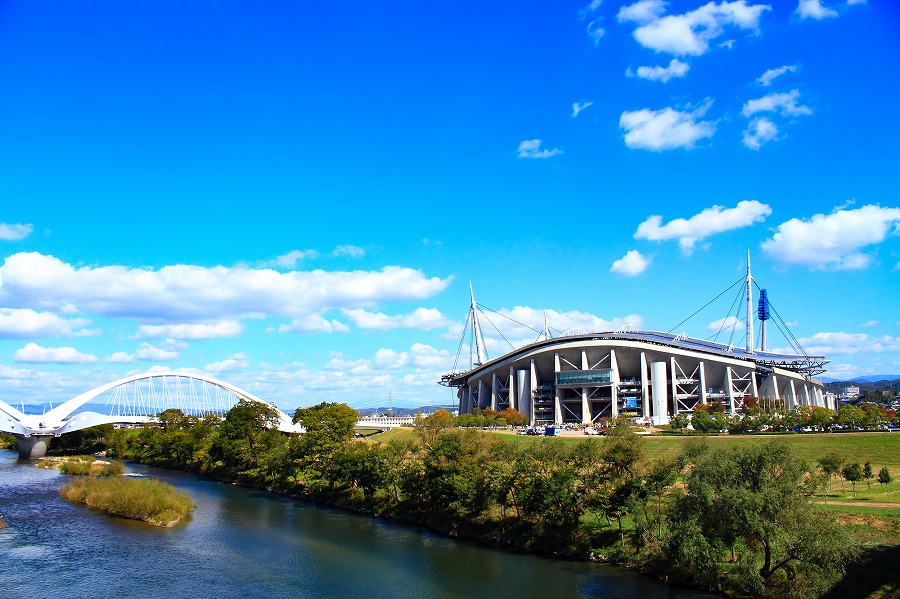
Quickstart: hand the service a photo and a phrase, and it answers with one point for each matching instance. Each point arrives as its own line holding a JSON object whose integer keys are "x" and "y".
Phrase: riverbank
{"x": 586, "y": 499}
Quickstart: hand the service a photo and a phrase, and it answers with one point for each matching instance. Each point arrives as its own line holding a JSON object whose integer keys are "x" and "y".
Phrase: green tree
{"x": 831, "y": 464}
{"x": 702, "y": 421}
{"x": 867, "y": 474}
{"x": 853, "y": 474}
{"x": 749, "y": 503}
{"x": 884, "y": 477}
{"x": 429, "y": 428}
{"x": 679, "y": 422}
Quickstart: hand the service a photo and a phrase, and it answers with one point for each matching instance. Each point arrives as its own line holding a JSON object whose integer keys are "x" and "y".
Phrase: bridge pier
{"x": 32, "y": 447}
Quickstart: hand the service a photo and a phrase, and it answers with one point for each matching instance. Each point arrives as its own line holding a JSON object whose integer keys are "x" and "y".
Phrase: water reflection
{"x": 246, "y": 543}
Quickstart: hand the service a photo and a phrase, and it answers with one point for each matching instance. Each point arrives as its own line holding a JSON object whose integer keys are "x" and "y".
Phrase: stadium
{"x": 583, "y": 377}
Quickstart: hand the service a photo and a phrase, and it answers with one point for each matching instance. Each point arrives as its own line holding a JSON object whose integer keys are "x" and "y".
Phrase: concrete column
{"x": 730, "y": 386}
{"x": 534, "y": 384}
{"x": 32, "y": 447}
{"x": 614, "y": 377}
{"x": 482, "y": 395}
{"x": 703, "y": 394}
{"x": 660, "y": 393}
{"x": 495, "y": 391}
{"x": 523, "y": 390}
{"x": 585, "y": 404}
{"x": 754, "y": 386}
{"x": 557, "y": 400}
{"x": 793, "y": 395}
{"x": 645, "y": 395}
{"x": 512, "y": 388}
{"x": 674, "y": 379}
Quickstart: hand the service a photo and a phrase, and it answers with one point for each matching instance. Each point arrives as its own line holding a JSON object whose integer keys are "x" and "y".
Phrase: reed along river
{"x": 245, "y": 543}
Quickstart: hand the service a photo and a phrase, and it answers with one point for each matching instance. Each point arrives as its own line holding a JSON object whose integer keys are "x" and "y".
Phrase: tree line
{"x": 734, "y": 521}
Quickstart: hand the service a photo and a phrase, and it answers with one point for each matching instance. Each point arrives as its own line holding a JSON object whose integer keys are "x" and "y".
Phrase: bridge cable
{"x": 705, "y": 305}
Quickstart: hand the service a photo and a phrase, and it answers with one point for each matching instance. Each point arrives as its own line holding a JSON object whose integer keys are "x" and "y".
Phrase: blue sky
{"x": 293, "y": 198}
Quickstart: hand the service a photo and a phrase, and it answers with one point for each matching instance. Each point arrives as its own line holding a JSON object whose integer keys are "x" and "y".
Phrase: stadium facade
{"x": 582, "y": 377}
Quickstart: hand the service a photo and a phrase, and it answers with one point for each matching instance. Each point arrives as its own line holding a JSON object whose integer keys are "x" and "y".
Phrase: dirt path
{"x": 861, "y": 504}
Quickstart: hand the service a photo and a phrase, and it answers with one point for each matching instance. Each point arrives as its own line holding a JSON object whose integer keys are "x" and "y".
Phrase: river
{"x": 242, "y": 542}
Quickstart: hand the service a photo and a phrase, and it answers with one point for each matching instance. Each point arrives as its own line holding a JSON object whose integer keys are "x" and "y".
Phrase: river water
{"x": 245, "y": 543}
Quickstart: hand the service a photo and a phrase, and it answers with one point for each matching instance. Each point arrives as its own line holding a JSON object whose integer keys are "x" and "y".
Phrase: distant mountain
{"x": 875, "y": 378}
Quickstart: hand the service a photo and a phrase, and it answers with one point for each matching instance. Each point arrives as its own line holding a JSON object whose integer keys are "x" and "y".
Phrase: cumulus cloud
{"x": 120, "y": 357}
{"x": 708, "y": 222}
{"x": 532, "y": 320}
{"x": 675, "y": 70}
{"x": 843, "y": 344}
{"x": 531, "y": 148}
{"x": 758, "y": 132}
{"x": 578, "y": 107}
{"x": 421, "y": 318}
{"x": 766, "y": 78}
{"x": 727, "y": 324}
{"x": 16, "y": 232}
{"x": 814, "y": 9}
{"x": 25, "y": 323}
{"x": 785, "y": 104}
{"x": 832, "y": 240}
{"x": 33, "y": 353}
{"x": 642, "y": 12}
{"x": 689, "y": 34}
{"x": 226, "y": 328}
{"x": 665, "y": 129}
{"x": 150, "y": 353}
{"x": 631, "y": 264}
{"x": 313, "y": 323}
{"x": 350, "y": 251}
{"x": 418, "y": 356}
{"x": 229, "y": 364}
{"x": 290, "y": 259}
{"x": 195, "y": 294}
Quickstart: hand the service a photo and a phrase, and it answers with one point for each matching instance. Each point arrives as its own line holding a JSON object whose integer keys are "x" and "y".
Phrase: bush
{"x": 145, "y": 499}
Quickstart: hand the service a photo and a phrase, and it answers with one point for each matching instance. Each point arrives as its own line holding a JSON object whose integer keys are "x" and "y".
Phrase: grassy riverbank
{"x": 144, "y": 499}
{"x": 83, "y": 465}
{"x": 679, "y": 508}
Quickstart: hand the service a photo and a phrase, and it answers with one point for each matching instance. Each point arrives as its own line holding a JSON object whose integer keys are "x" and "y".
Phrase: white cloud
{"x": 675, "y": 69}
{"x": 184, "y": 293}
{"x": 642, "y": 12}
{"x": 120, "y": 357}
{"x": 708, "y": 222}
{"x": 689, "y": 34}
{"x": 871, "y": 323}
{"x": 785, "y": 104}
{"x": 35, "y": 354}
{"x": 25, "y": 323}
{"x": 151, "y": 353}
{"x": 290, "y": 259}
{"x": 531, "y": 148}
{"x": 729, "y": 323}
{"x": 759, "y": 131}
{"x": 665, "y": 129}
{"x": 814, "y": 9}
{"x": 313, "y": 323}
{"x": 421, "y": 318}
{"x": 225, "y": 328}
{"x": 833, "y": 240}
{"x": 577, "y": 108}
{"x": 16, "y": 232}
{"x": 419, "y": 356}
{"x": 595, "y": 31}
{"x": 533, "y": 320}
{"x": 843, "y": 344}
{"x": 766, "y": 78}
{"x": 854, "y": 2}
{"x": 351, "y": 251}
{"x": 631, "y": 264}
{"x": 229, "y": 364}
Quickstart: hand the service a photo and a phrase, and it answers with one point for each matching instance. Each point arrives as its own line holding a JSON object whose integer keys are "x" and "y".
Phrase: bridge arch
{"x": 135, "y": 399}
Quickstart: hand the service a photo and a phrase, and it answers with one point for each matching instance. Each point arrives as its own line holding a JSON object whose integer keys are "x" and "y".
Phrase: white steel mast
{"x": 749, "y": 347}
{"x": 476, "y": 327}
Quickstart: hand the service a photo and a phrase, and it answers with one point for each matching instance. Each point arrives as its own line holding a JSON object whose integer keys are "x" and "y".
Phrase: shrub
{"x": 145, "y": 499}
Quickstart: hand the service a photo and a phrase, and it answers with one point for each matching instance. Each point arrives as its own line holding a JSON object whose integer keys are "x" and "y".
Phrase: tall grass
{"x": 145, "y": 499}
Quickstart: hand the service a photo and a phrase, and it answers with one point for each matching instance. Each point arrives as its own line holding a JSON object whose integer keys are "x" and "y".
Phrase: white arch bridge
{"x": 132, "y": 400}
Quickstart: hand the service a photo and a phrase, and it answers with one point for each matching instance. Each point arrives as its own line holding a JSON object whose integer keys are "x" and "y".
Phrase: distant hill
{"x": 875, "y": 378}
